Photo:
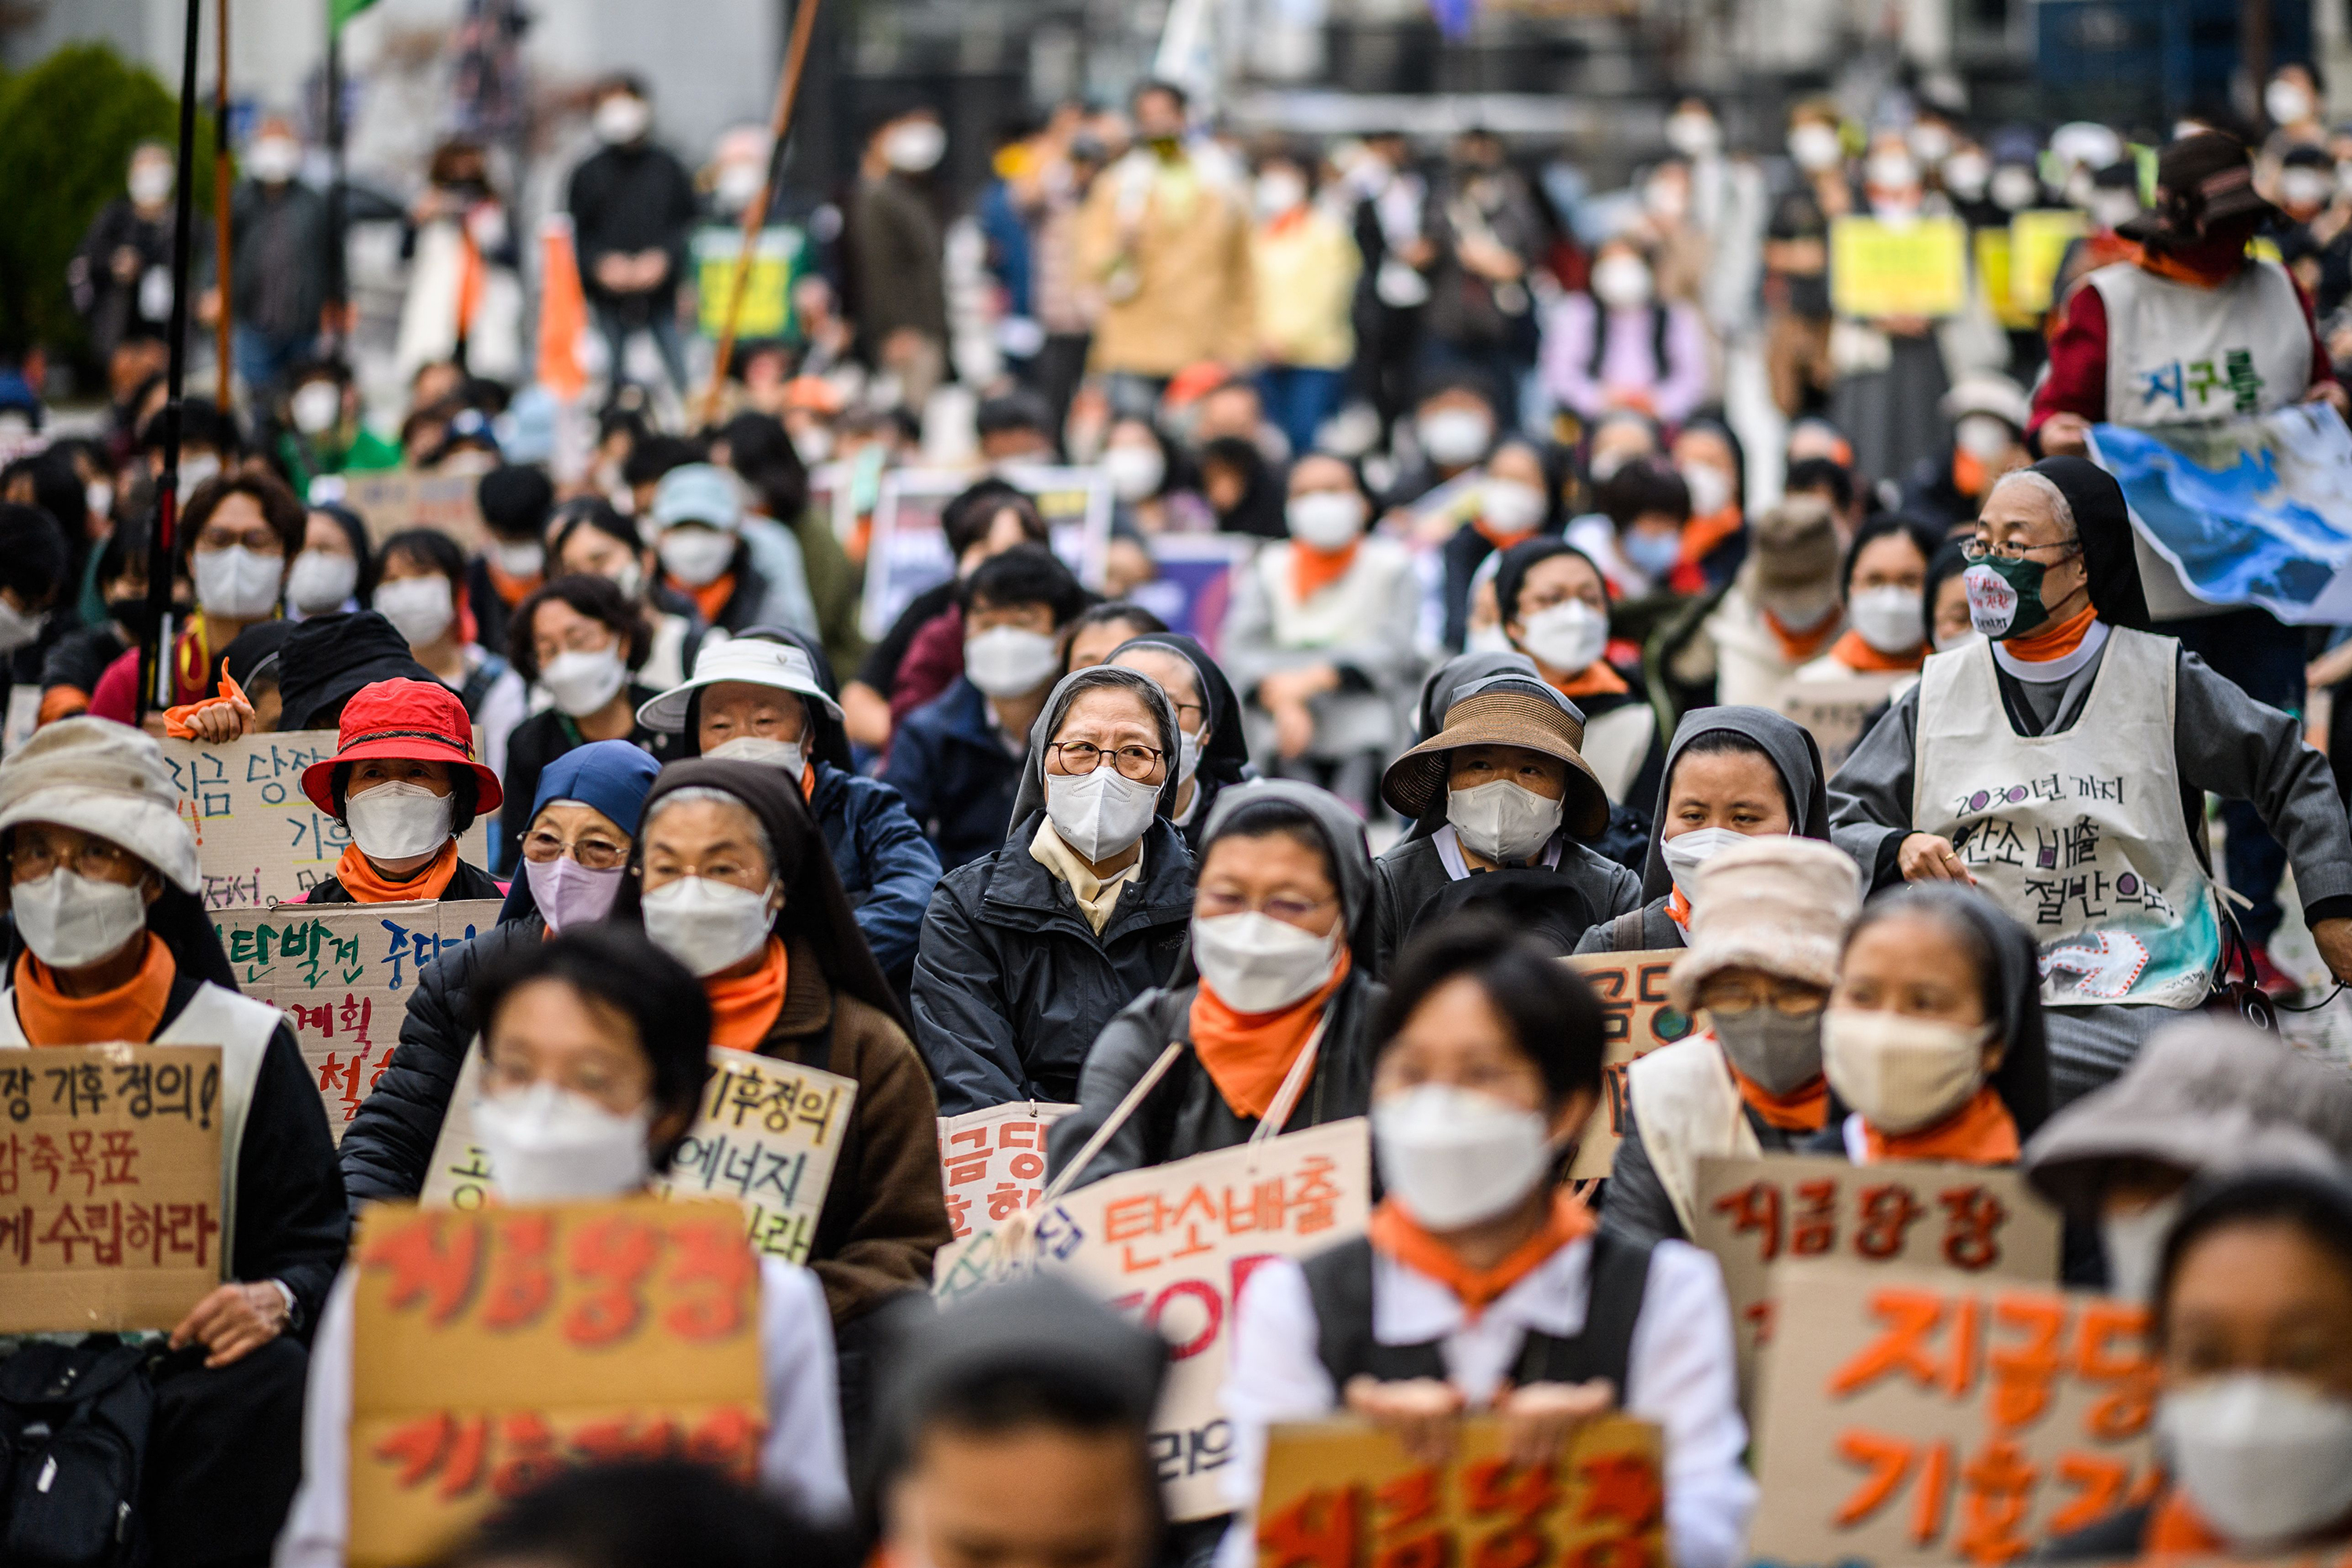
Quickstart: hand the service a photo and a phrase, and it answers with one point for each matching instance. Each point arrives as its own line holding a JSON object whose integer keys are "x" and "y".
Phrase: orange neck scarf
{"x": 708, "y": 599}
{"x": 1799, "y": 646}
{"x": 511, "y": 591}
{"x": 131, "y": 1011}
{"x": 744, "y": 1010}
{"x": 1497, "y": 537}
{"x": 1312, "y": 571}
{"x": 1678, "y": 909}
{"x": 2054, "y": 640}
{"x": 2182, "y": 270}
{"x": 1702, "y": 534}
{"x": 366, "y": 885}
{"x": 1396, "y": 1233}
{"x": 1980, "y": 1133}
{"x": 2175, "y": 1528}
{"x": 1249, "y": 1054}
{"x": 1595, "y": 680}
{"x": 1856, "y": 655}
{"x": 1806, "y": 1111}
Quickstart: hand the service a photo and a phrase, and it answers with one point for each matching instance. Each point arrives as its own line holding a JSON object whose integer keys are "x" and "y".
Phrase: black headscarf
{"x": 1793, "y": 752}
{"x": 1225, "y": 753}
{"x": 1462, "y": 669}
{"x": 823, "y": 740}
{"x": 1030, "y": 798}
{"x": 815, "y": 911}
{"x": 2104, "y": 524}
{"x": 327, "y": 658}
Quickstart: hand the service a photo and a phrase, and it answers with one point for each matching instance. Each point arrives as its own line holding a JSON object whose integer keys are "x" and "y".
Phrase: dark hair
{"x": 32, "y": 554}
{"x": 430, "y": 547}
{"x": 1945, "y": 564}
{"x": 1110, "y": 612}
{"x": 1820, "y": 474}
{"x": 124, "y": 552}
{"x": 637, "y": 1514}
{"x": 599, "y": 599}
{"x": 1729, "y": 743}
{"x": 1025, "y": 574}
{"x": 620, "y": 967}
{"x": 515, "y": 500}
{"x": 1015, "y": 411}
{"x": 1646, "y": 484}
{"x": 762, "y": 454}
{"x": 653, "y": 456}
{"x": 1554, "y": 1018}
{"x": 1152, "y": 84}
{"x": 1925, "y": 537}
{"x": 966, "y": 519}
{"x": 287, "y": 517}
{"x": 355, "y": 533}
{"x": 596, "y": 512}
{"x": 326, "y": 367}
{"x": 202, "y": 423}
{"x": 2318, "y": 1206}
{"x": 626, "y": 81}
{"x": 465, "y": 793}
{"x": 1511, "y": 572}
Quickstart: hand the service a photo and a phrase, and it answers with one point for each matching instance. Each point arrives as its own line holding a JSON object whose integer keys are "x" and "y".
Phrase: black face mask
{"x": 131, "y": 613}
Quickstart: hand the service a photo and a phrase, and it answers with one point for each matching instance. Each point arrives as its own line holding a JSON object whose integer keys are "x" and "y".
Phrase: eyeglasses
{"x": 1979, "y": 548}
{"x": 542, "y": 847}
{"x": 29, "y": 860}
{"x": 1289, "y": 909}
{"x": 1136, "y": 762}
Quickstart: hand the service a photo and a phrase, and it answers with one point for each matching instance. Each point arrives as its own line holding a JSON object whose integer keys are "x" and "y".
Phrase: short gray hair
{"x": 2060, "y": 508}
{"x": 704, "y": 794}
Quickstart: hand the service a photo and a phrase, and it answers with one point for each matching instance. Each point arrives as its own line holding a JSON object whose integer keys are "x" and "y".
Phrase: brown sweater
{"x": 885, "y": 1213}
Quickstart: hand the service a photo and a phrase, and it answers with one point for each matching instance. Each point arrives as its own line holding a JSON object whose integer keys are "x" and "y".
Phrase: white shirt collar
{"x": 1449, "y": 852}
{"x": 1408, "y": 1307}
{"x": 2051, "y": 671}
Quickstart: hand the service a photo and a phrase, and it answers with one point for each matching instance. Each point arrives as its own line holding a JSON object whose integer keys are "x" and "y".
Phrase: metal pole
{"x": 222, "y": 348}
{"x": 154, "y": 653}
{"x": 755, "y": 215}
{"x": 335, "y": 300}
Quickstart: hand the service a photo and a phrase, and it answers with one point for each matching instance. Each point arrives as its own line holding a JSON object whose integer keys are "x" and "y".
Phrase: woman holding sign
{"x": 112, "y": 943}
{"x": 405, "y": 785}
{"x": 1483, "y": 1286}
{"x": 594, "y": 1047}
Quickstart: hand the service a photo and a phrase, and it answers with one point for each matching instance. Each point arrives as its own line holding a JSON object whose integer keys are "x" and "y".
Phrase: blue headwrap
{"x": 613, "y": 777}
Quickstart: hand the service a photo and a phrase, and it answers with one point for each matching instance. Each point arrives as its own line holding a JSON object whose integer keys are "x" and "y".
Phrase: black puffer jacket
{"x": 389, "y": 1145}
{"x": 1411, "y": 885}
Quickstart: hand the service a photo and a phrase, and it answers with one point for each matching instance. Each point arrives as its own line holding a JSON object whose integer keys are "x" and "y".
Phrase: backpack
{"x": 74, "y": 1421}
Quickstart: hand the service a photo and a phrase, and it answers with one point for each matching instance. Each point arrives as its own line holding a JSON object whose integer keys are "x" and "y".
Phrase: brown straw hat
{"x": 1502, "y": 710}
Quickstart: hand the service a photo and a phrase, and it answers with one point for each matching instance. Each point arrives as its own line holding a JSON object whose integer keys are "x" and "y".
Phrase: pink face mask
{"x": 568, "y": 893}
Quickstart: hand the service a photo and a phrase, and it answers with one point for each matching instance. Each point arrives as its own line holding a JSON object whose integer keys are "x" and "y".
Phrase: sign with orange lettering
{"x": 494, "y": 1348}
{"x": 1639, "y": 1019}
{"x": 1925, "y": 1418}
{"x": 1344, "y": 1494}
{"x": 993, "y": 1162}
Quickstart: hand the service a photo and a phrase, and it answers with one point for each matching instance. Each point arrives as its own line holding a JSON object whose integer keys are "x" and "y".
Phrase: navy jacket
{"x": 952, "y": 770}
{"x": 886, "y": 864}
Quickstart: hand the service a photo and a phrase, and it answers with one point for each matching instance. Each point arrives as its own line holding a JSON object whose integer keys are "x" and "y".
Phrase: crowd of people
{"x": 1506, "y": 617}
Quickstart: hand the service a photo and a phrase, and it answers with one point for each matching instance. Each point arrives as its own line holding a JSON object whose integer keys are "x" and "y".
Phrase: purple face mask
{"x": 569, "y": 894}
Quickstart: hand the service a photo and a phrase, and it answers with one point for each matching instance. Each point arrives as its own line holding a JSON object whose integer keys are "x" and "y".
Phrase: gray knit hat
{"x": 106, "y": 779}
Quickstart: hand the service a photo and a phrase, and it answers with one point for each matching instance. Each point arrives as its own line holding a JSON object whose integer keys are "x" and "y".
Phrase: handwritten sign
{"x": 344, "y": 974}
{"x": 492, "y": 1350}
{"x": 993, "y": 1162}
{"x": 2037, "y": 249}
{"x": 391, "y": 499}
{"x": 779, "y": 258}
{"x": 110, "y": 1186}
{"x": 1344, "y": 1494}
{"x": 1632, "y": 991}
{"x": 1879, "y": 269}
{"x": 1834, "y": 711}
{"x": 1758, "y": 1214}
{"x": 907, "y": 552}
{"x": 1921, "y": 1418}
{"x": 768, "y": 1136}
{"x": 458, "y": 1175}
{"x": 258, "y": 839}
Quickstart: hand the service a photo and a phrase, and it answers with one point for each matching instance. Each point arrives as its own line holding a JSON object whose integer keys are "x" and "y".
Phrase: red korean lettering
{"x": 1620, "y": 1487}
{"x": 1888, "y": 1213}
{"x": 1319, "y": 1530}
{"x": 1522, "y": 1497}
{"x": 712, "y": 1256}
{"x": 439, "y": 1444}
{"x": 1757, "y": 1207}
{"x": 521, "y": 1285}
{"x": 432, "y": 1259}
{"x": 2124, "y": 1413}
{"x": 2023, "y": 1374}
{"x": 1886, "y": 1460}
{"x": 1912, "y": 1317}
{"x": 1997, "y": 1492}
{"x": 1972, "y": 1234}
{"x": 617, "y": 1252}
{"x": 1399, "y": 1505}
{"x": 1814, "y": 1232}
{"x": 532, "y": 1459}
{"x": 727, "y": 1440}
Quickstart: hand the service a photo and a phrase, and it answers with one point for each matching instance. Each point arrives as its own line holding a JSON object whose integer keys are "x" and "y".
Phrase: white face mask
{"x": 18, "y": 628}
{"x": 581, "y": 682}
{"x": 1686, "y": 852}
{"x": 812, "y": 444}
{"x": 630, "y": 580}
{"x": 1256, "y": 963}
{"x": 2112, "y": 209}
{"x": 99, "y": 497}
{"x": 1929, "y": 141}
{"x": 1891, "y": 620}
{"x": 1800, "y": 609}
{"x": 316, "y": 407}
{"x": 1710, "y": 488}
{"x": 399, "y": 821}
{"x": 1891, "y": 172}
{"x": 273, "y": 159}
{"x": 1488, "y": 639}
{"x": 237, "y": 584}
{"x": 2134, "y": 1247}
{"x": 319, "y": 583}
{"x": 1453, "y": 1156}
{"x": 2265, "y": 1459}
{"x": 1101, "y": 813}
{"x": 419, "y": 608}
{"x": 1965, "y": 173}
{"x": 1135, "y": 472}
{"x": 1967, "y": 638}
{"x": 1567, "y": 635}
{"x": 1505, "y": 821}
{"x": 621, "y": 119}
{"x": 150, "y": 182}
{"x": 2286, "y": 103}
{"x": 915, "y": 147}
{"x": 1983, "y": 436}
{"x": 2015, "y": 187}
{"x": 1188, "y": 755}
{"x": 71, "y": 922}
{"x": 2300, "y": 186}
{"x": 1278, "y": 193}
{"x": 785, "y": 754}
{"x": 548, "y": 1145}
{"x": 1901, "y": 1073}
{"x": 528, "y": 559}
{"x": 1693, "y": 135}
{"x": 696, "y": 556}
{"x": 195, "y": 471}
{"x": 1325, "y": 520}
{"x": 1620, "y": 282}
{"x": 1815, "y": 146}
{"x": 1510, "y": 506}
{"x": 1010, "y": 661}
{"x": 706, "y": 925}
{"x": 1455, "y": 437}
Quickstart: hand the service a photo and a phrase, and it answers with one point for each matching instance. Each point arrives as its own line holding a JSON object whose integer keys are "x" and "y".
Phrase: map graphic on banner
{"x": 2248, "y": 511}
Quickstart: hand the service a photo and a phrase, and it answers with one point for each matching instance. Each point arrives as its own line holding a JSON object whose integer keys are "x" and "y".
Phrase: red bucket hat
{"x": 421, "y": 721}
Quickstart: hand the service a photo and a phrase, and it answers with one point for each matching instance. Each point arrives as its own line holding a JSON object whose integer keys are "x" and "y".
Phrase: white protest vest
{"x": 1617, "y": 744}
{"x": 241, "y": 1027}
{"x": 2078, "y": 834}
{"x": 1686, "y": 1108}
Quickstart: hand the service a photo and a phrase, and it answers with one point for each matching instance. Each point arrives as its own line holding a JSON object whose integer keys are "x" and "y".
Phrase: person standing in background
{"x": 1305, "y": 267}
{"x": 901, "y": 304}
{"x": 120, "y": 279}
{"x": 1797, "y": 261}
{"x": 1487, "y": 235}
{"x": 278, "y": 272}
{"x": 631, "y": 202}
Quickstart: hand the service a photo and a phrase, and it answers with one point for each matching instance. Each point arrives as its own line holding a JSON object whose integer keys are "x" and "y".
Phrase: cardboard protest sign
{"x": 1343, "y": 1494}
{"x": 779, "y": 256}
{"x": 2037, "y": 248}
{"x": 1757, "y": 1216}
{"x": 344, "y": 974}
{"x": 1880, "y": 268}
{"x": 767, "y": 1136}
{"x": 391, "y": 499}
{"x": 110, "y": 1186}
{"x": 458, "y": 1175}
{"x": 906, "y": 553}
{"x": 1834, "y": 711}
{"x": 258, "y": 839}
{"x": 1928, "y": 1418}
{"x": 993, "y": 1162}
{"x": 1632, "y": 991}
{"x": 492, "y": 1350}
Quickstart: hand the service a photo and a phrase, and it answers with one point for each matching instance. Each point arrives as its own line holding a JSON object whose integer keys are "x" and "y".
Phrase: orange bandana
{"x": 1702, "y": 534}
{"x": 1856, "y": 655}
{"x": 744, "y": 1010}
{"x": 1980, "y": 1133}
{"x": 708, "y": 599}
{"x": 1497, "y": 537}
{"x": 1248, "y": 1054}
{"x": 1678, "y": 909}
{"x": 1969, "y": 475}
{"x": 1806, "y": 1111}
{"x": 1595, "y": 680}
{"x": 366, "y": 885}
{"x": 511, "y": 591}
{"x": 2054, "y": 640}
{"x": 1798, "y": 647}
{"x": 1312, "y": 571}
{"x": 2175, "y": 1528}
{"x": 131, "y": 1011}
{"x": 1398, "y": 1233}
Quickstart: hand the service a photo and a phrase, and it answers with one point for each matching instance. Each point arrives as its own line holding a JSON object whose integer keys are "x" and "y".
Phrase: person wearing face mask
{"x": 767, "y": 697}
{"x": 422, "y": 593}
{"x": 1890, "y": 370}
{"x": 1714, "y": 466}
{"x": 1485, "y": 236}
{"x": 35, "y": 573}
{"x": 1498, "y": 799}
{"x": 1320, "y": 639}
{"x": 1484, "y": 1285}
{"x": 2293, "y": 102}
{"x": 1767, "y": 915}
{"x": 120, "y": 275}
{"x": 1731, "y": 773}
{"x": 319, "y": 429}
{"x": 111, "y": 942}
{"x": 1305, "y": 265}
{"x": 464, "y": 302}
{"x": 594, "y": 1050}
{"x": 1635, "y": 533}
{"x": 1946, "y": 594}
{"x": 900, "y": 249}
{"x": 516, "y": 502}
{"x": 697, "y": 518}
{"x": 577, "y": 639}
{"x": 1028, "y": 952}
{"x": 587, "y": 537}
{"x": 1883, "y": 586}
{"x": 2311, "y": 228}
{"x": 2071, "y": 678}
{"x": 791, "y": 542}
{"x": 1276, "y": 965}
{"x": 1554, "y": 606}
{"x": 279, "y": 283}
{"x": 1617, "y": 345}
{"x": 1781, "y": 611}
{"x": 1517, "y": 501}
{"x": 1989, "y": 413}
{"x": 405, "y": 787}
{"x": 1212, "y": 753}
{"x": 2252, "y": 1297}
{"x": 1452, "y": 429}
{"x": 1797, "y": 259}
{"x": 1150, "y": 481}
{"x": 335, "y": 570}
{"x": 631, "y": 202}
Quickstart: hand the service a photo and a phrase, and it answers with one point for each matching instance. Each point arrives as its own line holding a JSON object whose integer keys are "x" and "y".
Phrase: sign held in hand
{"x": 1639, "y": 1019}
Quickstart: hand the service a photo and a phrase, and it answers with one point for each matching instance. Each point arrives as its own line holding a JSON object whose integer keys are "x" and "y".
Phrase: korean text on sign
{"x": 993, "y": 1162}
{"x": 1341, "y": 1494}
{"x": 1928, "y": 1419}
{"x": 768, "y": 1136}
{"x": 110, "y": 1185}
{"x": 1636, "y": 1020}
{"x": 493, "y": 1349}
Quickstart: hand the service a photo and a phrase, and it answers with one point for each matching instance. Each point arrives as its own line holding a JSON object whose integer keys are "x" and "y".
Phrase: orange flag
{"x": 562, "y": 310}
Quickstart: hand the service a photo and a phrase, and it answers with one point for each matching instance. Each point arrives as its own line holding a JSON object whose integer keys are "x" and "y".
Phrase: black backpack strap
{"x": 1340, "y": 1284}
{"x": 1619, "y": 1273}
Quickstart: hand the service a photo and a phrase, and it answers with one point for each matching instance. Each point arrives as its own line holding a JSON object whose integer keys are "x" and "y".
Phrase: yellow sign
{"x": 1993, "y": 277}
{"x": 2037, "y": 248}
{"x": 1879, "y": 269}
{"x": 776, "y": 262}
